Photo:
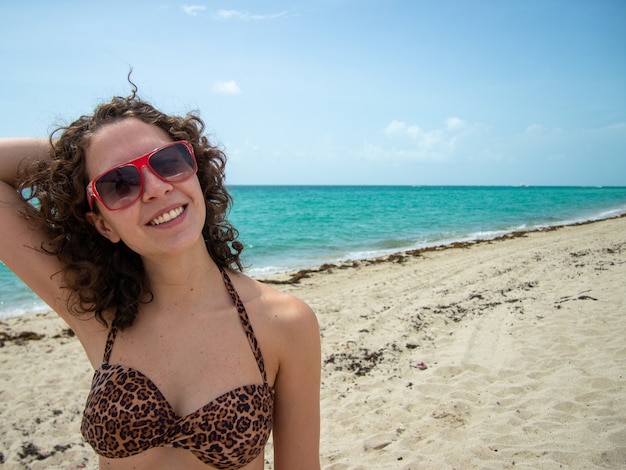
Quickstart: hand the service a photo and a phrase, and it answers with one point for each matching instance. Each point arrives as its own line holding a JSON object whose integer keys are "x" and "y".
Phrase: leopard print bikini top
{"x": 126, "y": 413}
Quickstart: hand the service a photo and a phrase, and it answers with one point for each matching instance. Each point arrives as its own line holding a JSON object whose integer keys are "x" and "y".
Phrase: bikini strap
{"x": 109, "y": 346}
{"x": 245, "y": 323}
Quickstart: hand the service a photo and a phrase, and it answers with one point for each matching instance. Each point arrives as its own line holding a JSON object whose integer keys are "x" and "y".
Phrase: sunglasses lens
{"x": 173, "y": 163}
{"x": 119, "y": 187}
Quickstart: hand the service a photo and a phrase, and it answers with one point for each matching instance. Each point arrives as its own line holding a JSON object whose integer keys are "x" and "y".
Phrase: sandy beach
{"x": 508, "y": 353}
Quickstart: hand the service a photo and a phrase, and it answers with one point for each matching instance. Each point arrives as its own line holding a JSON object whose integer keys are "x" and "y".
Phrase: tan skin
{"x": 189, "y": 339}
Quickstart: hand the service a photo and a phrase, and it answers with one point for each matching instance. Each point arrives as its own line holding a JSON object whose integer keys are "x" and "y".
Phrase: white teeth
{"x": 171, "y": 215}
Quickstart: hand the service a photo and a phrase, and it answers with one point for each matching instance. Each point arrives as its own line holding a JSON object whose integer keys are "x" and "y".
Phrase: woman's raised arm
{"x": 14, "y": 151}
{"x": 19, "y": 242}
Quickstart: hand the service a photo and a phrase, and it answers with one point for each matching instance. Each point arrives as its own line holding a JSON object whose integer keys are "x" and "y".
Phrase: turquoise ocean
{"x": 286, "y": 228}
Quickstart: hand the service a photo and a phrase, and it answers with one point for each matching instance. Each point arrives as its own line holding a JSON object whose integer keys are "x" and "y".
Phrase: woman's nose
{"x": 153, "y": 186}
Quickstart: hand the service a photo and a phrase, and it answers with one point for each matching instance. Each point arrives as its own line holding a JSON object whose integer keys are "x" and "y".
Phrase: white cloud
{"x": 239, "y": 15}
{"x": 400, "y": 129}
{"x": 455, "y": 124}
{"x": 228, "y": 14}
{"x": 537, "y": 130}
{"x": 193, "y": 9}
{"x": 395, "y": 128}
{"x": 229, "y": 87}
{"x": 411, "y": 142}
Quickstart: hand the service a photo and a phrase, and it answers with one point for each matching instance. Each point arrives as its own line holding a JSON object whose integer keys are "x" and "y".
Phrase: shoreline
{"x": 452, "y": 243}
{"x": 505, "y": 353}
{"x": 295, "y": 276}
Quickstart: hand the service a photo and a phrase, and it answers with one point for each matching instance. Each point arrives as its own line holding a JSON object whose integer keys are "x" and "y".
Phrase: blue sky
{"x": 343, "y": 91}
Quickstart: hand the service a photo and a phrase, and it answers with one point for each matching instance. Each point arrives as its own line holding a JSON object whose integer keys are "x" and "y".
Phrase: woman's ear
{"x": 102, "y": 226}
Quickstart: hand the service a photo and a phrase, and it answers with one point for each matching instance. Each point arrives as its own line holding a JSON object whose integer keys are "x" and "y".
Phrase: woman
{"x": 119, "y": 225}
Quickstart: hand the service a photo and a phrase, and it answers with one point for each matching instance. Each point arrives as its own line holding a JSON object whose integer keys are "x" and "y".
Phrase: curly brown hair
{"x": 102, "y": 276}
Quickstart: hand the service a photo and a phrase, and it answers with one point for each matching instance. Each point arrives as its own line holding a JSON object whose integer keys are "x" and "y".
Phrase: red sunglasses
{"x": 122, "y": 185}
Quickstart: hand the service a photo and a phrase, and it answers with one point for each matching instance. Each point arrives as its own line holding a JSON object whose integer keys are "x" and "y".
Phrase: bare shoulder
{"x": 286, "y": 307}
{"x": 288, "y": 316}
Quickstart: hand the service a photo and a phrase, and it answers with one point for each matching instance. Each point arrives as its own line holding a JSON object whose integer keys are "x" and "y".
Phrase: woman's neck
{"x": 183, "y": 277}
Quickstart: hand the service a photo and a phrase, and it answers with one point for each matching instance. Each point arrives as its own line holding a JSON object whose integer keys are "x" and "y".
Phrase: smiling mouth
{"x": 171, "y": 215}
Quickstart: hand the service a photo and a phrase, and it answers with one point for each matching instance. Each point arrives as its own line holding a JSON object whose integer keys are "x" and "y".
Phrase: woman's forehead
{"x": 122, "y": 141}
